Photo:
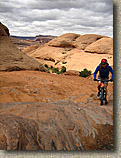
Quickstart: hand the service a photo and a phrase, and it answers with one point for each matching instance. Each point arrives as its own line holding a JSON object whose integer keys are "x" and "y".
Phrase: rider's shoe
{"x": 106, "y": 102}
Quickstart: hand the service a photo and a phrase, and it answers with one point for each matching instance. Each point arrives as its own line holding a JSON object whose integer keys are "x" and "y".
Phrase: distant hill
{"x": 33, "y": 37}
{"x": 22, "y": 42}
{"x": 24, "y": 37}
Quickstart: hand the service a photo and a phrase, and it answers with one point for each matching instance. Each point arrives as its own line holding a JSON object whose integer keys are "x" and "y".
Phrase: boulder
{"x": 84, "y": 40}
{"x": 30, "y": 49}
{"x": 17, "y": 133}
{"x": 64, "y": 41}
{"x": 102, "y": 46}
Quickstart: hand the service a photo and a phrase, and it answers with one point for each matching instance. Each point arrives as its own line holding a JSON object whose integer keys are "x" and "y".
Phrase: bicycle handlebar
{"x": 102, "y": 80}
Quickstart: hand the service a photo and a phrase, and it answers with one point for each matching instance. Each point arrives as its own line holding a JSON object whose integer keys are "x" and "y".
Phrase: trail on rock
{"x": 41, "y": 111}
{"x": 59, "y": 125}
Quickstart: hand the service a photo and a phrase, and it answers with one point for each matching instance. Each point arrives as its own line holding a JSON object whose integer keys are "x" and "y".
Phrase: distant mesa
{"x": 24, "y": 37}
{"x": 44, "y": 38}
{"x": 22, "y": 42}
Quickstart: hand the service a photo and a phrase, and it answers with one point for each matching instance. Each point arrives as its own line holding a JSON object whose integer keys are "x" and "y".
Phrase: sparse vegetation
{"x": 56, "y": 70}
{"x": 46, "y": 66}
{"x": 85, "y": 73}
{"x": 63, "y": 69}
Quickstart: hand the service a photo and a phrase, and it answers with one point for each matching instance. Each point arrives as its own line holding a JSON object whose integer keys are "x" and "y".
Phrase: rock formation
{"x": 61, "y": 125}
{"x": 102, "y": 46}
{"x": 75, "y": 51}
{"x": 12, "y": 58}
{"x": 4, "y": 31}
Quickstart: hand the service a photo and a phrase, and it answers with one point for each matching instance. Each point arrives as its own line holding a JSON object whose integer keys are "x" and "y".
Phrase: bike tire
{"x": 101, "y": 96}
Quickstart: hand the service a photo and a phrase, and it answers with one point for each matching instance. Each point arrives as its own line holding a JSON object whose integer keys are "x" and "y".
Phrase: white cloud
{"x": 55, "y": 17}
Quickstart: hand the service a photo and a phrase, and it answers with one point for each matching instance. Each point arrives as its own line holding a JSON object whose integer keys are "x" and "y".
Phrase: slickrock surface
{"x": 60, "y": 125}
{"x": 103, "y": 46}
{"x": 31, "y": 86}
{"x": 74, "y": 51}
{"x": 43, "y": 111}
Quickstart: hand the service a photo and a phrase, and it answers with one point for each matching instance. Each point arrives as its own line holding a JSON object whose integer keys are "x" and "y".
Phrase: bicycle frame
{"x": 102, "y": 84}
{"x": 102, "y": 91}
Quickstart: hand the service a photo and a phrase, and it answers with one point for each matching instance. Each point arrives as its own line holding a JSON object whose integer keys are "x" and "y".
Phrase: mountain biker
{"x": 103, "y": 69}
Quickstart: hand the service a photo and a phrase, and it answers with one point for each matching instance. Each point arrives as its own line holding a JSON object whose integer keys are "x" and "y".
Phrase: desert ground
{"x": 42, "y": 110}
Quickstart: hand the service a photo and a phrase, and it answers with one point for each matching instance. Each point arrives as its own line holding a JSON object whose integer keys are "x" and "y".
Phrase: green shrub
{"x": 85, "y": 73}
{"x": 46, "y": 66}
{"x": 56, "y": 70}
{"x": 63, "y": 69}
{"x": 51, "y": 67}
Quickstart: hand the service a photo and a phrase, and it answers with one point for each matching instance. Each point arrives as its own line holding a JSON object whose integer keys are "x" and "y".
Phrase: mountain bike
{"x": 102, "y": 91}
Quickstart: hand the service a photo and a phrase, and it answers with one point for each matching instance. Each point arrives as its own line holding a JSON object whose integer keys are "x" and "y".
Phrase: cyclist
{"x": 103, "y": 69}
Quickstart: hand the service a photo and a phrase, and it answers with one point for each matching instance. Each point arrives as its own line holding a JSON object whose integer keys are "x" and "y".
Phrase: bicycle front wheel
{"x": 102, "y": 96}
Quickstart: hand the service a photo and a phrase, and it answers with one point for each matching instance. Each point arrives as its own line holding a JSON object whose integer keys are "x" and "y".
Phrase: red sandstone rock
{"x": 12, "y": 58}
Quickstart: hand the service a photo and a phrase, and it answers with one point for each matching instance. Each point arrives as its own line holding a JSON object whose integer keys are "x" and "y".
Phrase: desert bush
{"x": 63, "y": 69}
{"x": 85, "y": 73}
{"x": 56, "y": 70}
{"x": 51, "y": 67}
{"x": 46, "y": 66}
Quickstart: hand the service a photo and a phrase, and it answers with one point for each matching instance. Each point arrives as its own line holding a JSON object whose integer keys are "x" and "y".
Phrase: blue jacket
{"x": 103, "y": 72}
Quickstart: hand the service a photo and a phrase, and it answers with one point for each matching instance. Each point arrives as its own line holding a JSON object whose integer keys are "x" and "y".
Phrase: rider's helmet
{"x": 104, "y": 61}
